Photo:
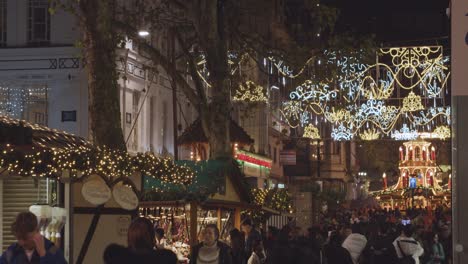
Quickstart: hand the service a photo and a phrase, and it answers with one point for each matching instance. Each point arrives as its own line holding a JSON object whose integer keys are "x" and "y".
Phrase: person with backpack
{"x": 407, "y": 248}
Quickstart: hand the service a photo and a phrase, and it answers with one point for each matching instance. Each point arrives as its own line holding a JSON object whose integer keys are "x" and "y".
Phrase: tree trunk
{"x": 100, "y": 41}
{"x": 209, "y": 18}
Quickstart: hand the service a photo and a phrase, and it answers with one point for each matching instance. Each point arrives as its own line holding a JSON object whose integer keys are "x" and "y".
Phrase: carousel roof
{"x": 194, "y": 134}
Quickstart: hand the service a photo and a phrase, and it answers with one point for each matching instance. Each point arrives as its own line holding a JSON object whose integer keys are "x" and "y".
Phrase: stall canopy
{"x": 194, "y": 134}
{"x": 213, "y": 180}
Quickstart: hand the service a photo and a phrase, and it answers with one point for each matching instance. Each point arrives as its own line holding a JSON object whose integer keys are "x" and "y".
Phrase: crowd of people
{"x": 363, "y": 236}
{"x": 367, "y": 236}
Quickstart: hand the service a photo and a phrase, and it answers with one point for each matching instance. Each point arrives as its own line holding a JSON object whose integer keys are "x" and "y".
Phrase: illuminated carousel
{"x": 418, "y": 184}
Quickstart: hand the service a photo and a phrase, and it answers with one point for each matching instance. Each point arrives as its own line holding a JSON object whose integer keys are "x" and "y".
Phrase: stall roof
{"x": 23, "y": 134}
{"x": 194, "y": 134}
{"x": 213, "y": 179}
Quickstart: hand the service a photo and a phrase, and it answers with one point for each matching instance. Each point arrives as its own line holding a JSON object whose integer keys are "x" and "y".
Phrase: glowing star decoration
{"x": 250, "y": 92}
{"x": 311, "y": 132}
{"x": 341, "y": 133}
{"x": 370, "y": 134}
{"x": 442, "y": 132}
{"x": 405, "y": 134}
{"x": 412, "y": 103}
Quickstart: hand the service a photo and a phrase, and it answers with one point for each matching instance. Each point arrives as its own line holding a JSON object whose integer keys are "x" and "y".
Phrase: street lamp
{"x": 143, "y": 33}
{"x": 384, "y": 176}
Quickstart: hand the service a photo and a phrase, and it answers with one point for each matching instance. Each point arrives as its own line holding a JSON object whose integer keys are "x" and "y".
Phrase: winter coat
{"x": 15, "y": 254}
{"x": 409, "y": 246}
{"x": 355, "y": 244}
{"x": 224, "y": 253}
{"x": 437, "y": 254}
{"x": 337, "y": 255}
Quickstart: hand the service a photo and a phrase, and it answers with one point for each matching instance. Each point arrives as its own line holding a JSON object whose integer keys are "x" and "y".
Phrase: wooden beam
{"x": 219, "y": 224}
{"x": 193, "y": 223}
{"x": 104, "y": 211}
{"x": 237, "y": 218}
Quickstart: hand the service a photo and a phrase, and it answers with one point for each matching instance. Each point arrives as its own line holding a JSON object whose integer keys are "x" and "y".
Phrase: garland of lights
{"x": 84, "y": 160}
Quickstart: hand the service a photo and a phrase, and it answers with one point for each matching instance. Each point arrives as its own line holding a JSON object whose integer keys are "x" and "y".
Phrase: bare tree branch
{"x": 192, "y": 67}
{"x": 164, "y": 62}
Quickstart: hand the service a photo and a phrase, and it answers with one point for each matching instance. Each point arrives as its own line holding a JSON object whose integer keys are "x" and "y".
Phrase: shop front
{"x": 215, "y": 197}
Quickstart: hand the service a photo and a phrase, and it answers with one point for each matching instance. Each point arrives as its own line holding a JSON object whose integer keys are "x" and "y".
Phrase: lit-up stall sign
{"x": 254, "y": 159}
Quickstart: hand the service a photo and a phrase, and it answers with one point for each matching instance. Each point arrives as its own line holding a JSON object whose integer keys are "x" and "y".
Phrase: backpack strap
{"x": 401, "y": 250}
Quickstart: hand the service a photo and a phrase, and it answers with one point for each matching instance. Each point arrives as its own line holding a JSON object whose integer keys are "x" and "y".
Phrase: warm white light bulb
{"x": 143, "y": 33}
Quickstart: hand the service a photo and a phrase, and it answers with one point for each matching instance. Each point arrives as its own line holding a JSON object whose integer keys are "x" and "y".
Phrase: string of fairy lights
{"x": 85, "y": 160}
{"x": 48, "y": 152}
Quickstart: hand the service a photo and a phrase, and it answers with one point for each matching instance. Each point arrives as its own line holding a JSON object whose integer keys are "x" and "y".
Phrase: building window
{"x": 24, "y": 101}
{"x": 3, "y": 23}
{"x": 38, "y": 22}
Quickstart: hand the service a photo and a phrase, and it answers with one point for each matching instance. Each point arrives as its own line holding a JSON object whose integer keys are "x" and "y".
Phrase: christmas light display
{"x": 442, "y": 132}
{"x": 412, "y": 103}
{"x": 250, "y": 92}
{"x": 370, "y": 134}
{"x": 363, "y": 94}
{"x": 341, "y": 133}
{"x": 405, "y": 134}
{"x": 311, "y": 132}
{"x": 417, "y": 183}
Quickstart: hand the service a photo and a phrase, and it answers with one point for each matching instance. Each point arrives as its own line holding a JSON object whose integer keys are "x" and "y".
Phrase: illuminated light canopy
{"x": 370, "y": 134}
{"x": 364, "y": 94}
{"x": 405, "y": 134}
{"x": 412, "y": 103}
{"x": 250, "y": 92}
{"x": 311, "y": 132}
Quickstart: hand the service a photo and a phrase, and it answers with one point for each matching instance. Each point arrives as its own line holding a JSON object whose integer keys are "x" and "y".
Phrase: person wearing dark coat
{"x": 335, "y": 253}
{"x": 31, "y": 247}
{"x": 251, "y": 235}
{"x": 211, "y": 251}
{"x": 237, "y": 246}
